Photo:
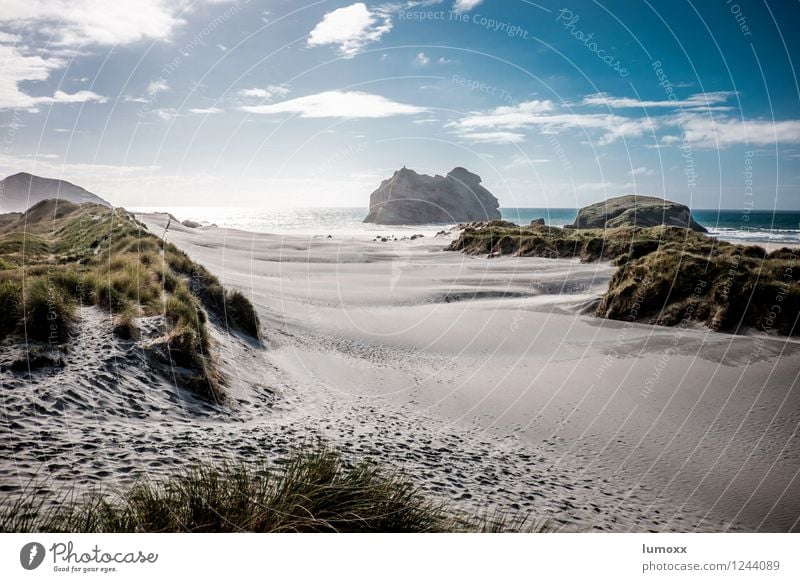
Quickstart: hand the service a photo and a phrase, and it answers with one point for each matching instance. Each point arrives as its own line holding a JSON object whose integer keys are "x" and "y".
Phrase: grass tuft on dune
{"x": 315, "y": 490}
{"x": 59, "y": 255}
{"x": 667, "y": 275}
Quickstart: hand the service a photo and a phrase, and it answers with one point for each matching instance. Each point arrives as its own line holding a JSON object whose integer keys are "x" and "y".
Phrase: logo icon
{"x": 31, "y": 555}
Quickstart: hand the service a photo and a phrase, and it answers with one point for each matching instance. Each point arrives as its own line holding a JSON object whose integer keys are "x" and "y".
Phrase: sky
{"x": 313, "y": 103}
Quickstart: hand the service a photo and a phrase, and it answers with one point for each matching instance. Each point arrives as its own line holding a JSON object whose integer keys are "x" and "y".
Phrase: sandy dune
{"x": 623, "y": 425}
{"x": 480, "y": 377}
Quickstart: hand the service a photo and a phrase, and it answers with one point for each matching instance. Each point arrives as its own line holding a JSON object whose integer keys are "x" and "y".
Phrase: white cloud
{"x": 493, "y": 137}
{"x": 540, "y": 115}
{"x": 511, "y": 116}
{"x": 79, "y": 97}
{"x": 350, "y": 28}
{"x": 444, "y": 61}
{"x": 157, "y": 86}
{"x": 721, "y": 132}
{"x": 167, "y": 113}
{"x": 349, "y": 104}
{"x": 421, "y": 59}
{"x": 268, "y": 93}
{"x": 698, "y": 100}
{"x": 465, "y": 5}
{"x": 65, "y": 27}
{"x": 642, "y": 171}
{"x": 18, "y": 68}
{"x": 523, "y": 161}
{"x": 82, "y": 22}
{"x": 205, "y": 110}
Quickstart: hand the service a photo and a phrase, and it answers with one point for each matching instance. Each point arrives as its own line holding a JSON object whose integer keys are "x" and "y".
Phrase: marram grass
{"x": 315, "y": 490}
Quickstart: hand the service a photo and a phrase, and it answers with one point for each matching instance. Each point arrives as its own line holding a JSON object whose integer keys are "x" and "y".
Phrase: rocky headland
{"x": 633, "y": 210}
{"x": 668, "y": 274}
{"x": 411, "y": 198}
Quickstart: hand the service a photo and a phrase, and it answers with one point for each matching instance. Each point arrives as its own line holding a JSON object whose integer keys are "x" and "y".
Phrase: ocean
{"x": 756, "y": 226}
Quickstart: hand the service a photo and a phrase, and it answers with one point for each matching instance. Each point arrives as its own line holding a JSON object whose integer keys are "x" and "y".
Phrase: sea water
{"x": 755, "y": 226}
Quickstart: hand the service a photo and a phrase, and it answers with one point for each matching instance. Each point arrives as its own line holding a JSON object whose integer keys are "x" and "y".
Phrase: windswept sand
{"x": 485, "y": 382}
{"x": 400, "y": 348}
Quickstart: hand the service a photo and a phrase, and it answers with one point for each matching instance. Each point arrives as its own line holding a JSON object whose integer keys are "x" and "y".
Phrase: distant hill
{"x": 21, "y": 191}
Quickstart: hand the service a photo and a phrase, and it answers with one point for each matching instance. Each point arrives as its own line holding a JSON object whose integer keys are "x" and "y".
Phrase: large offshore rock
{"x": 411, "y": 198}
{"x": 633, "y": 210}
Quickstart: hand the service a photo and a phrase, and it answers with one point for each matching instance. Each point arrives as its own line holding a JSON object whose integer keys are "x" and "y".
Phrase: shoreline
{"x": 369, "y": 231}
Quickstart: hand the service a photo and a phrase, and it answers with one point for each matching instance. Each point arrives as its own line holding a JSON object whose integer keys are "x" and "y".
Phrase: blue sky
{"x": 292, "y": 103}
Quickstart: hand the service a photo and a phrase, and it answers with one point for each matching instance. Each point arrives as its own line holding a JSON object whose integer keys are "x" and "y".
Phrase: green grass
{"x": 667, "y": 275}
{"x": 49, "y": 311}
{"x": 241, "y": 311}
{"x": 312, "y": 491}
{"x": 125, "y": 324}
{"x": 726, "y": 291}
{"x": 10, "y": 306}
{"x": 93, "y": 255}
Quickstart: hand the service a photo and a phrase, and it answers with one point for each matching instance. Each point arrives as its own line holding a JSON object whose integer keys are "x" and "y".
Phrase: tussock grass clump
{"x": 241, "y": 311}
{"x": 313, "y": 491}
{"x": 667, "y": 275}
{"x": 732, "y": 290}
{"x": 232, "y": 308}
{"x": 177, "y": 260}
{"x": 49, "y": 311}
{"x": 78, "y": 285}
{"x": 94, "y": 255}
{"x": 125, "y": 324}
{"x": 16, "y": 245}
{"x": 10, "y": 306}
{"x": 109, "y": 297}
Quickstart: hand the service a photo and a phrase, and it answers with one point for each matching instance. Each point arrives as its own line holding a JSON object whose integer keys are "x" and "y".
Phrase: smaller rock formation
{"x": 633, "y": 210}
{"x": 537, "y": 222}
{"x": 411, "y": 198}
